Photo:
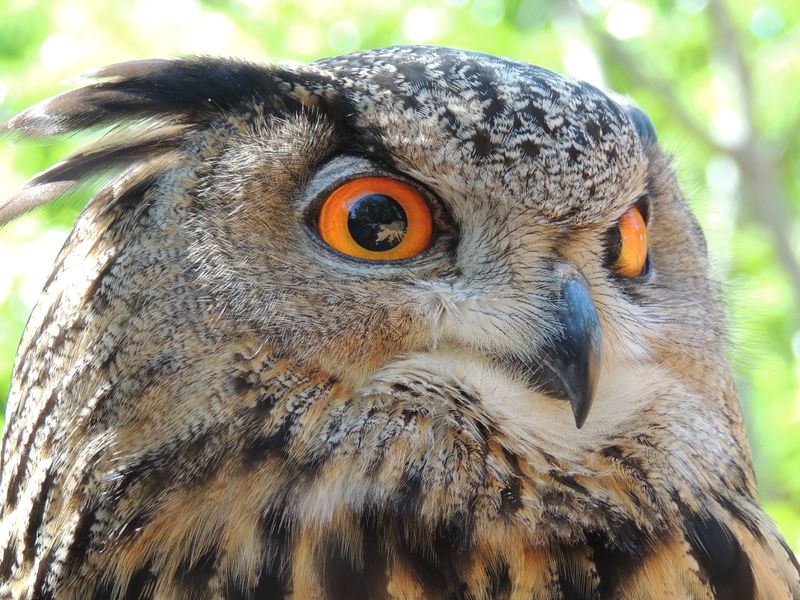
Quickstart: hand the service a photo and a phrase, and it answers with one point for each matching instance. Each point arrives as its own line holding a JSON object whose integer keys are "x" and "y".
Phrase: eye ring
{"x": 376, "y": 218}
{"x": 633, "y": 250}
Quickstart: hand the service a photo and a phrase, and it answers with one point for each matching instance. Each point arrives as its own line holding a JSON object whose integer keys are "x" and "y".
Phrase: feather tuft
{"x": 171, "y": 97}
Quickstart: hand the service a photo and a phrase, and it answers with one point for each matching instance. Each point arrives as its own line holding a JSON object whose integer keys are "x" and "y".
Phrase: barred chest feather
{"x": 408, "y": 490}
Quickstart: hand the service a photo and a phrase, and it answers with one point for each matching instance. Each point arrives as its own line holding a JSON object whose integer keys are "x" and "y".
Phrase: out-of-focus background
{"x": 720, "y": 79}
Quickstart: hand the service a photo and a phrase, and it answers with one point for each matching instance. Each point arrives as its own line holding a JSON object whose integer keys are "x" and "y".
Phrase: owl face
{"x": 554, "y": 256}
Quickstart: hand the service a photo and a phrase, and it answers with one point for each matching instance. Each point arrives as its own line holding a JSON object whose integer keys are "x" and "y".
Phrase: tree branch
{"x": 730, "y": 44}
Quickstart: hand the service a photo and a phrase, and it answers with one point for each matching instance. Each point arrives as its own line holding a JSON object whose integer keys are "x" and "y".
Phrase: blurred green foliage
{"x": 720, "y": 80}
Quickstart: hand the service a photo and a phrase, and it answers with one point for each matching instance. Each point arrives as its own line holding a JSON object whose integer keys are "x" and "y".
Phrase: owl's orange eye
{"x": 376, "y": 218}
{"x": 632, "y": 259}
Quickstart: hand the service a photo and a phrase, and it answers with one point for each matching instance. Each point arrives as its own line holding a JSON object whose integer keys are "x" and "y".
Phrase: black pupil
{"x": 377, "y": 222}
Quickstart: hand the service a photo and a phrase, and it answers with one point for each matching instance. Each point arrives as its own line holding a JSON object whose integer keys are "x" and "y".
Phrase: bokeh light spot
{"x": 728, "y": 127}
{"x": 304, "y": 39}
{"x": 628, "y": 20}
{"x": 692, "y": 6}
{"x": 59, "y": 50}
{"x": 421, "y": 25}
{"x": 722, "y": 174}
{"x": 210, "y": 32}
{"x": 766, "y": 22}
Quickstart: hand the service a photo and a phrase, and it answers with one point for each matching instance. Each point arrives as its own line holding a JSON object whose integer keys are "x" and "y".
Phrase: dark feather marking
{"x": 633, "y": 466}
{"x": 261, "y": 410}
{"x": 18, "y": 476}
{"x": 105, "y": 365}
{"x": 345, "y": 580}
{"x": 141, "y": 584}
{"x": 149, "y": 469}
{"x": 241, "y": 382}
{"x": 625, "y": 533}
{"x": 435, "y": 557}
{"x": 146, "y": 376}
{"x": 99, "y": 302}
{"x": 513, "y": 461}
{"x": 613, "y": 565}
{"x": 567, "y": 585}
{"x": 375, "y": 557}
{"x": 569, "y": 482}
{"x": 7, "y": 561}
{"x": 40, "y": 588}
{"x": 58, "y": 340}
{"x": 36, "y": 516}
{"x": 740, "y": 515}
{"x": 194, "y": 573}
{"x": 499, "y": 581}
{"x": 259, "y": 448}
{"x": 739, "y": 480}
{"x": 81, "y": 540}
{"x": 720, "y": 555}
{"x": 154, "y": 473}
{"x": 458, "y": 531}
{"x": 271, "y": 584}
{"x": 269, "y": 587}
{"x": 103, "y": 591}
{"x": 407, "y": 495}
{"x": 131, "y": 196}
{"x": 22, "y": 358}
{"x": 46, "y": 594}
{"x": 551, "y": 460}
{"x": 630, "y": 462}
{"x": 140, "y": 518}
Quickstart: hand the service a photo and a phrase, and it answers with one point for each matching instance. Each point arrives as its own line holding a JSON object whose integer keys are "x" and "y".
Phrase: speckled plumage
{"x": 208, "y": 402}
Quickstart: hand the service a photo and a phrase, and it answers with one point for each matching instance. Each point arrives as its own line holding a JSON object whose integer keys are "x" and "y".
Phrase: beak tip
{"x": 580, "y": 410}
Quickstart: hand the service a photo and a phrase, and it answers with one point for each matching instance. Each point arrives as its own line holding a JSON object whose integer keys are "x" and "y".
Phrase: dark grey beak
{"x": 568, "y": 367}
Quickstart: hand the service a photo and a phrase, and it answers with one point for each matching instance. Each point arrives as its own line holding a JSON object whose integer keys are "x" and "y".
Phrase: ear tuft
{"x": 155, "y": 104}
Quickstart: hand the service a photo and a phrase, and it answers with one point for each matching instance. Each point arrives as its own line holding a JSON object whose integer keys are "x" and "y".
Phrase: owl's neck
{"x": 280, "y": 480}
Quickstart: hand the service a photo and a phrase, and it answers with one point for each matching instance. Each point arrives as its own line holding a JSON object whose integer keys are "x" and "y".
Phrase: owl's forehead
{"x": 481, "y": 124}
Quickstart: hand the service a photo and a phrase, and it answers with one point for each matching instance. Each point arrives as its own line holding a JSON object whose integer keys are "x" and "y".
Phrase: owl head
{"x": 408, "y": 279}
{"x": 417, "y": 208}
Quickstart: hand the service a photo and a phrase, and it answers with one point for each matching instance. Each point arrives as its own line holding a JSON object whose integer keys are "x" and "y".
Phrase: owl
{"x": 411, "y": 323}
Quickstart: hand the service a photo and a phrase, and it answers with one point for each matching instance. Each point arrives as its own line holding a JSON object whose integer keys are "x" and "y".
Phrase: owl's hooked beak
{"x": 568, "y": 366}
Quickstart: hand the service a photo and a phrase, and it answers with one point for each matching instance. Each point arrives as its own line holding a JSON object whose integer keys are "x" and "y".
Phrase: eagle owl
{"x": 408, "y": 323}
